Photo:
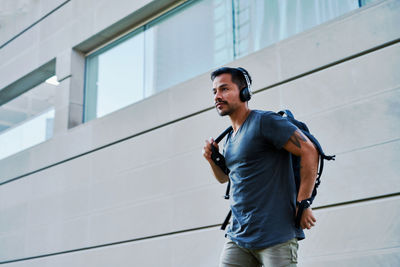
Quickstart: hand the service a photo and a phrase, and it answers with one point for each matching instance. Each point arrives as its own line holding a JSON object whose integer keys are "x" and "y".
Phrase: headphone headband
{"x": 246, "y": 77}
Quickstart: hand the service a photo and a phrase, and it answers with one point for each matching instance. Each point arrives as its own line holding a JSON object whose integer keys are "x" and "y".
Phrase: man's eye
{"x": 224, "y": 89}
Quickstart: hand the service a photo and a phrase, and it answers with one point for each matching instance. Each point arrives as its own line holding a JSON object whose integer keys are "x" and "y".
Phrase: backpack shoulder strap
{"x": 219, "y": 160}
{"x": 222, "y": 135}
{"x": 287, "y": 112}
{"x": 217, "y": 157}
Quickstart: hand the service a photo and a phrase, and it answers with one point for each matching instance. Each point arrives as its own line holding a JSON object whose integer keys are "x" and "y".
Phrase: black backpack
{"x": 219, "y": 160}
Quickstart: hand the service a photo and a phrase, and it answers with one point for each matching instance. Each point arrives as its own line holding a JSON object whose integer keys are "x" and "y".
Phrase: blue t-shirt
{"x": 263, "y": 190}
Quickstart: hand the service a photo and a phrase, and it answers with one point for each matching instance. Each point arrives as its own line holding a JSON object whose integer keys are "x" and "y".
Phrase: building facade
{"x": 105, "y": 106}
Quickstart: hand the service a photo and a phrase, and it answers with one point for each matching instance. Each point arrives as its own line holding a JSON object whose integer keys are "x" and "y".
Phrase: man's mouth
{"x": 219, "y": 104}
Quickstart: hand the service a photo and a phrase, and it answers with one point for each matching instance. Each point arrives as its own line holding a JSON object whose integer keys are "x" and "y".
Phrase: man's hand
{"x": 307, "y": 219}
{"x": 218, "y": 173}
{"x": 207, "y": 150}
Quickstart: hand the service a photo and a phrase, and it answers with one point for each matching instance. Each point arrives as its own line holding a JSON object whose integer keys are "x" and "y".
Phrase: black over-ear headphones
{"x": 245, "y": 93}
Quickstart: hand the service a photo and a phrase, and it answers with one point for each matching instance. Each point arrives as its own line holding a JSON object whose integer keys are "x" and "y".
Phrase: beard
{"x": 224, "y": 112}
{"x": 227, "y": 111}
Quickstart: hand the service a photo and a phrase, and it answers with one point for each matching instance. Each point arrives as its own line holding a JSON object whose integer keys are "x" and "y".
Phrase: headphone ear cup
{"x": 245, "y": 94}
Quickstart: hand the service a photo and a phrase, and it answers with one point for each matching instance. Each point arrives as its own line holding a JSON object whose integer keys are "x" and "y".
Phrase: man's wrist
{"x": 305, "y": 203}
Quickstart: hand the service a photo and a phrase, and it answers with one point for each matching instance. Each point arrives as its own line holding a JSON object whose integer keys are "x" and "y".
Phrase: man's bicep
{"x": 297, "y": 143}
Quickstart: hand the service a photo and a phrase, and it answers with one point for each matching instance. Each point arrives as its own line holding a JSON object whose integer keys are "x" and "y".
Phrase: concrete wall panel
{"x": 197, "y": 248}
{"x": 344, "y": 234}
{"x": 346, "y": 244}
{"x": 345, "y": 83}
{"x": 379, "y": 257}
{"x": 369, "y": 172}
{"x": 107, "y": 13}
{"x": 17, "y": 16}
{"x": 364, "y": 123}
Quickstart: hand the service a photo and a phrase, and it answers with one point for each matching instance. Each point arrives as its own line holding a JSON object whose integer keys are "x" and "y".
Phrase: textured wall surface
{"x": 126, "y": 191}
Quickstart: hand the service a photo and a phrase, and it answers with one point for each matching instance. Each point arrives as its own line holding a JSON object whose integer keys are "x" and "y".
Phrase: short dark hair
{"x": 237, "y": 76}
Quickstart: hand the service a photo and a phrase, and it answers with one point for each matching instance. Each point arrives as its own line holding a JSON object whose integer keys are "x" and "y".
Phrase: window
{"x": 114, "y": 76}
{"x": 28, "y": 119}
{"x": 260, "y": 23}
{"x": 192, "y": 39}
{"x": 177, "y": 46}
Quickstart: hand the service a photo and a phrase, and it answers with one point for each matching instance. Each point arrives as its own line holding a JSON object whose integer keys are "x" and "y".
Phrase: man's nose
{"x": 217, "y": 96}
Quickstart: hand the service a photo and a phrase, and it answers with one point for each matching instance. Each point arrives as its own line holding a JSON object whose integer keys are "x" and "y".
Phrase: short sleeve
{"x": 276, "y": 129}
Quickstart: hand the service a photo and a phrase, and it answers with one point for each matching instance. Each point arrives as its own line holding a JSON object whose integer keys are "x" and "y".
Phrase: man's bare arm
{"x": 218, "y": 173}
{"x": 301, "y": 146}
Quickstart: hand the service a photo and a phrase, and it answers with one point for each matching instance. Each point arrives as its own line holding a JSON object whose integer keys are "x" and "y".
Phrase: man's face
{"x": 226, "y": 94}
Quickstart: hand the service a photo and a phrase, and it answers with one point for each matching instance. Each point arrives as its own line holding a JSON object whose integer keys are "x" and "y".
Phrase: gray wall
{"x": 126, "y": 191}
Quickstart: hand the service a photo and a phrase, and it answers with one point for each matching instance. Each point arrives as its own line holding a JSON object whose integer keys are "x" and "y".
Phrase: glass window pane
{"x": 260, "y": 23}
{"x": 27, "y": 120}
{"x": 187, "y": 42}
{"x": 115, "y": 77}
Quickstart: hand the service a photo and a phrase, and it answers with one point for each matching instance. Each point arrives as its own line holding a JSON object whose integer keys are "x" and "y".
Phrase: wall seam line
{"x": 334, "y": 63}
{"x": 344, "y": 203}
{"x": 33, "y": 24}
{"x": 352, "y": 102}
{"x": 367, "y": 147}
{"x": 111, "y": 244}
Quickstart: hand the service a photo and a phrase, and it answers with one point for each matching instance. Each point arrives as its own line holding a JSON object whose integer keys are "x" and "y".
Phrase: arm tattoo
{"x": 297, "y": 137}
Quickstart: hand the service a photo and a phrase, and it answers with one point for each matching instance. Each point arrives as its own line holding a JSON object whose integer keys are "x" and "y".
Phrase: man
{"x": 263, "y": 192}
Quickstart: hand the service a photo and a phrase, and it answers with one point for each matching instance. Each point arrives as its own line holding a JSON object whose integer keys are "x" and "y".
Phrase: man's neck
{"x": 238, "y": 118}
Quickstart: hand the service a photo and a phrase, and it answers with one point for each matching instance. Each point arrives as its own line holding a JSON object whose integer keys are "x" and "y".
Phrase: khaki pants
{"x": 284, "y": 254}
